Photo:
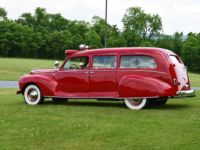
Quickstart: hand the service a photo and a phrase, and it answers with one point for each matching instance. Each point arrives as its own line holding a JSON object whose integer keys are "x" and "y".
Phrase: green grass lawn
{"x": 13, "y": 68}
{"x": 194, "y": 79}
{"x": 97, "y": 125}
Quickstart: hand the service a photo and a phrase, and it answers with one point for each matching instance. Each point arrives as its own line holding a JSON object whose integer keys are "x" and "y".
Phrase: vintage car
{"x": 139, "y": 76}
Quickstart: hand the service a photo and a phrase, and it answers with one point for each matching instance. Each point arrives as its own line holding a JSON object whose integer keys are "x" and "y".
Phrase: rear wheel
{"x": 33, "y": 95}
{"x": 136, "y": 104}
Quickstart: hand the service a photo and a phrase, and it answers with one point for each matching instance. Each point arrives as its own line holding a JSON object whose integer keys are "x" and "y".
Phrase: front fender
{"x": 46, "y": 84}
{"x": 140, "y": 86}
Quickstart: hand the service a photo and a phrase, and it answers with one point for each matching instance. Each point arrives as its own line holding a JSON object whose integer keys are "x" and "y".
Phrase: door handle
{"x": 86, "y": 72}
{"x": 91, "y": 72}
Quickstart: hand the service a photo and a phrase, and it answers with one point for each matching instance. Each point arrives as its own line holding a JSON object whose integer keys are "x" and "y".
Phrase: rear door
{"x": 181, "y": 72}
{"x": 103, "y": 77}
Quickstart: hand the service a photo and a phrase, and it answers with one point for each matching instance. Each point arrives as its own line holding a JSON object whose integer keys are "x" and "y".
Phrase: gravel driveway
{"x": 9, "y": 84}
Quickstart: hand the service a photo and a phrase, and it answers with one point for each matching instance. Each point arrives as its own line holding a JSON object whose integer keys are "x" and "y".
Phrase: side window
{"x": 104, "y": 62}
{"x": 175, "y": 59}
{"x": 137, "y": 62}
{"x": 76, "y": 63}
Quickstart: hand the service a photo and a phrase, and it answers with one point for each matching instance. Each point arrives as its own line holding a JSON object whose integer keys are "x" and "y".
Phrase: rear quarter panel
{"x": 143, "y": 86}
{"x": 149, "y": 82}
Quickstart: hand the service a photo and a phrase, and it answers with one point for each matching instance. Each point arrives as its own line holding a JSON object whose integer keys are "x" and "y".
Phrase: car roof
{"x": 121, "y": 50}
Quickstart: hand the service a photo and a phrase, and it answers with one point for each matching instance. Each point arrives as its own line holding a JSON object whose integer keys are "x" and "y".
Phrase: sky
{"x": 177, "y": 15}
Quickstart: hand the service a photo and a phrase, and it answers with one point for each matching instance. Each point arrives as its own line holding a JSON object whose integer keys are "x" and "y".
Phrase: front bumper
{"x": 18, "y": 92}
{"x": 186, "y": 93}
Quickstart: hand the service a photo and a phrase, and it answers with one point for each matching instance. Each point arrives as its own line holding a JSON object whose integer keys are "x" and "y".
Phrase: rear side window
{"x": 104, "y": 62}
{"x": 137, "y": 62}
{"x": 175, "y": 59}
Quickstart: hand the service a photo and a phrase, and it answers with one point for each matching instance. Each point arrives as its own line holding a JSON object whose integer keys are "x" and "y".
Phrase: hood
{"x": 38, "y": 71}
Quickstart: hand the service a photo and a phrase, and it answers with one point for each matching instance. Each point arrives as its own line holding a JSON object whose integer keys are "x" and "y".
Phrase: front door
{"x": 73, "y": 78}
{"x": 103, "y": 82}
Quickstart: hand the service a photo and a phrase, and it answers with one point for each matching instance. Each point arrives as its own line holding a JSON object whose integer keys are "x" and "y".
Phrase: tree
{"x": 178, "y": 43}
{"x": 93, "y": 39}
{"x": 191, "y": 52}
{"x": 26, "y": 19}
{"x": 3, "y": 14}
{"x": 165, "y": 41}
{"x": 139, "y": 26}
{"x": 57, "y": 43}
{"x": 116, "y": 38}
{"x": 98, "y": 24}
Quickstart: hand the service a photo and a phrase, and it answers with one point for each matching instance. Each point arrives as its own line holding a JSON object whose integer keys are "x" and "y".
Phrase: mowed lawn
{"x": 13, "y": 68}
{"x": 90, "y": 124}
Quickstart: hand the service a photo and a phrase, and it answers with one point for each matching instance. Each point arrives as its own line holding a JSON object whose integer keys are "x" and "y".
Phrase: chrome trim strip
{"x": 144, "y": 71}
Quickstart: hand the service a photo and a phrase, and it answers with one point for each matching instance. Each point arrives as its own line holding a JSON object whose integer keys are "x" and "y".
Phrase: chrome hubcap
{"x": 32, "y": 95}
{"x": 135, "y": 102}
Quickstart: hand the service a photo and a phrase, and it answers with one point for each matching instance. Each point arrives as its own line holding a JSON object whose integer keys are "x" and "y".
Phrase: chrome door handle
{"x": 91, "y": 72}
{"x": 86, "y": 72}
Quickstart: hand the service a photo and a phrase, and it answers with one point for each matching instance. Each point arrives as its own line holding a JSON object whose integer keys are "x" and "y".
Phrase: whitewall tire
{"x": 33, "y": 95}
{"x": 136, "y": 104}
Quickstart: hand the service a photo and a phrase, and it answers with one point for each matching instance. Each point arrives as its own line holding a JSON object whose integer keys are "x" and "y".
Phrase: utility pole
{"x": 106, "y": 16}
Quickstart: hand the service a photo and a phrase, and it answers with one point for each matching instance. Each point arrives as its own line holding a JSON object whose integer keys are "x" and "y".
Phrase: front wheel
{"x": 33, "y": 95}
{"x": 136, "y": 104}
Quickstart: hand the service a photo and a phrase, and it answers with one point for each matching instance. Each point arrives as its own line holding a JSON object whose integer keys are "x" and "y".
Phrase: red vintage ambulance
{"x": 139, "y": 76}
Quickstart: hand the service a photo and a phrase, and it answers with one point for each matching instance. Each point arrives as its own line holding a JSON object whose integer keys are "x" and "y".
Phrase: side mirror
{"x": 56, "y": 64}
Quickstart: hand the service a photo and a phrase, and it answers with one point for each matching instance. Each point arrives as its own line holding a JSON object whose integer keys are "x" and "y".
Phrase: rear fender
{"x": 142, "y": 86}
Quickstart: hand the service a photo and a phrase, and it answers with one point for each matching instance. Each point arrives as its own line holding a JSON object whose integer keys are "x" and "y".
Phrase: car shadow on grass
{"x": 169, "y": 106}
{"x": 114, "y": 104}
{"x": 83, "y": 103}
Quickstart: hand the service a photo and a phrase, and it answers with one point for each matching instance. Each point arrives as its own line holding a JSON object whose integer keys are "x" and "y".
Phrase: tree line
{"x": 46, "y": 35}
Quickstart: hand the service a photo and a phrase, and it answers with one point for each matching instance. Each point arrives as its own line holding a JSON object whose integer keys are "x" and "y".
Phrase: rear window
{"x": 175, "y": 59}
{"x": 137, "y": 62}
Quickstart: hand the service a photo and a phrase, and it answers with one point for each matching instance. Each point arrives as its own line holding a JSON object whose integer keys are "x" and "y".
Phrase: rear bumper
{"x": 186, "y": 93}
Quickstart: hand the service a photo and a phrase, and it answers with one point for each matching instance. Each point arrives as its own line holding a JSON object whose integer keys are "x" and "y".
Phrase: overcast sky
{"x": 177, "y": 15}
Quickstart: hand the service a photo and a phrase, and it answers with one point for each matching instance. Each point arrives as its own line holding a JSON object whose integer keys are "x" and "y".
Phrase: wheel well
{"x": 27, "y": 84}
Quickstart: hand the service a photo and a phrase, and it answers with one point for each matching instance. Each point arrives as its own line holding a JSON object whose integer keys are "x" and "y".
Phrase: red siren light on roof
{"x": 70, "y": 52}
{"x": 83, "y": 47}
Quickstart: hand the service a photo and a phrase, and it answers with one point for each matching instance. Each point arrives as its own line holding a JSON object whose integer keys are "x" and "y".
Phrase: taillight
{"x": 175, "y": 81}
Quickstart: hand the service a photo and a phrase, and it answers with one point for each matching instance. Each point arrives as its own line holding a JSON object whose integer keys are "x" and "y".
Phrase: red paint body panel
{"x": 136, "y": 85}
{"x": 72, "y": 83}
{"x": 112, "y": 83}
{"x": 103, "y": 83}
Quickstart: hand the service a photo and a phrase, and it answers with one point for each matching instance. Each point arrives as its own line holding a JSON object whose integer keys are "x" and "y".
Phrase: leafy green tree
{"x": 26, "y": 19}
{"x": 178, "y": 43}
{"x": 3, "y": 14}
{"x": 98, "y": 24}
{"x": 57, "y": 43}
{"x": 191, "y": 52}
{"x": 116, "y": 38}
{"x": 165, "y": 41}
{"x": 78, "y": 30}
{"x": 57, "y": 23}
{"x": 139, "y": 26}
{"x": 93, "y": 39}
